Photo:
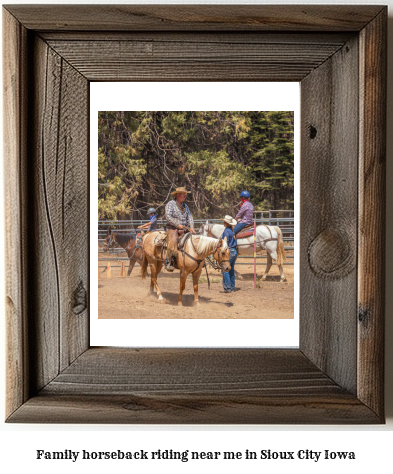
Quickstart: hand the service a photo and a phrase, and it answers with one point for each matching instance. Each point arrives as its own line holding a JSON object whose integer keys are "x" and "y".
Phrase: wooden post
{"x": 109, "y": 270}
{"x": 123, "y": 270}
{"x": 255, "y": 254}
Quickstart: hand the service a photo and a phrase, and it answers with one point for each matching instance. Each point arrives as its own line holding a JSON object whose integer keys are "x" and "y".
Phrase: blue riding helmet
{"x": 245, "y": 194}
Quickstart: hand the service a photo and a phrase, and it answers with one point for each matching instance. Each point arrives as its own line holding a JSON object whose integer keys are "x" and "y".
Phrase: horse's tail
{"x": 144, "y": 265}
{"x": 280, "y": 247}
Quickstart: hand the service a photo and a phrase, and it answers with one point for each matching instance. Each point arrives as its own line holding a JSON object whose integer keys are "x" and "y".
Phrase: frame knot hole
{"x": 80, "y": 299}
{"x": 330, "y": 254}
{"x": 363, "y": 315}
{"x": 313, "y": 132}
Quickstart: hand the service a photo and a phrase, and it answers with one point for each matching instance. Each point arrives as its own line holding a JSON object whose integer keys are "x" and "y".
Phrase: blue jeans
{"x": 238, "y": 227}
{"x": 228, "y": 279}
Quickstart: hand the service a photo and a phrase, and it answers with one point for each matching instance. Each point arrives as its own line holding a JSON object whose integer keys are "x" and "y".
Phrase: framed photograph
{"x": 213, "y": 142}
{"x": 52, "y": 55}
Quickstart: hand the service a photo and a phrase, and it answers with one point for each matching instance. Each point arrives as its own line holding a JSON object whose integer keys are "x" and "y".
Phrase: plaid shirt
{"x": 175, "y": 217}
{"x": 246, "y": 213}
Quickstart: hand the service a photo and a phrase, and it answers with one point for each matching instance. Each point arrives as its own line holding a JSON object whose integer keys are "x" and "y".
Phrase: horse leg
{"x": 152, "y": 273}
{"x": 131, "y": 266}
{"x": 151, "y": 289}
{"x": 273, "y": 254}
{"x": 139, "y": 259}
{"x": 153, "y": 280}
{"x": 195, "y": 279}
{"x": 281, "y": 273}
{"x": 182, "y": 287}
{"x": 158, "y": 269}
{"x": 154, "y": 284}
{"x": 268, "y": 266}
{"x": 238, "y": 275}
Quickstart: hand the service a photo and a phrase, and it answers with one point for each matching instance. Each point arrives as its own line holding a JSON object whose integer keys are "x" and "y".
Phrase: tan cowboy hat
{"x": 180, "y": 191}
{"x": 229, "y": 220}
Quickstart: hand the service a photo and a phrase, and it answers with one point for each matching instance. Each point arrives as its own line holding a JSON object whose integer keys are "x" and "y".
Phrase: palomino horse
{"x": 191, "y": 259}
{"x": 129, "y": 244}
{"x": 267, "y": 237}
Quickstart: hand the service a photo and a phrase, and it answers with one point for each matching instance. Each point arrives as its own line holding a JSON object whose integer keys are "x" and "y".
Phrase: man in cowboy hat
{"x": 179, "y": 218}
{"x": 152, "y": 225}
{"x": 228, "y": 278}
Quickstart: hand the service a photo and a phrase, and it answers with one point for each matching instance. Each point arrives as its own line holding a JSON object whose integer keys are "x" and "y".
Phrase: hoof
{"x": 179, "y": 303}
{"x": 264, "y": 277}
{"x": 283, "y": 280}
{"x": 196, "y": 303}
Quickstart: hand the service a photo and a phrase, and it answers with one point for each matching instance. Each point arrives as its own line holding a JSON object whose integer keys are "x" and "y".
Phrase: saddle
{"x": 247, "y": 231}
{"x": 161, "y": 239}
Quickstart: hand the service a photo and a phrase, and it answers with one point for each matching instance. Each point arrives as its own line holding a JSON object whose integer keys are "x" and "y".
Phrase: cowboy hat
{"x": 179, "y": 191}
{"x": 229, "y": 220}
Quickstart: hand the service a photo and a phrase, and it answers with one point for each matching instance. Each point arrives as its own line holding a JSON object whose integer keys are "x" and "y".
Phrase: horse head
{"x": 110, "y": 240}
{"x": 221, "y": 255}
{"x": 204, "y": 229}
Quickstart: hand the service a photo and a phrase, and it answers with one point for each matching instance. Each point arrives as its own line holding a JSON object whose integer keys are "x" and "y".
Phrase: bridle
{"x": 112, "y": 241}
{"x": 216, "y": 264}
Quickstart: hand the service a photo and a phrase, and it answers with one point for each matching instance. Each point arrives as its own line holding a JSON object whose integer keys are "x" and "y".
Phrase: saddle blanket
{"x": 243, "y": 235}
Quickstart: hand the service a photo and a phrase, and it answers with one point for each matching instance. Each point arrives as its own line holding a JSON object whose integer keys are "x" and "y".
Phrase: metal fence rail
{"x": 281, "y": 218}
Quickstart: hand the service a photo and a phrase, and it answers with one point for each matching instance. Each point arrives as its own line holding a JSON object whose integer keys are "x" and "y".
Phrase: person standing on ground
{"x": 246, "y": 214}
{"x": 228, "y": 278}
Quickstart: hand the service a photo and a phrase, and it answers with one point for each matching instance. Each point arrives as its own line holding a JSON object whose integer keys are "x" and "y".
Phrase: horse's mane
{"x": 124, "y": 239}
{"x": 208, "y": 244}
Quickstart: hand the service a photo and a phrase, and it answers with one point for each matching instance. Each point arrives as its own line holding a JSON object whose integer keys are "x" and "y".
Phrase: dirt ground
{"x": 127, "y": 297}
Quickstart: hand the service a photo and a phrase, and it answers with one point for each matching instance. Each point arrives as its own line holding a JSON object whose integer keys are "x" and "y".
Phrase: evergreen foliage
{"x": 143, "y": 156}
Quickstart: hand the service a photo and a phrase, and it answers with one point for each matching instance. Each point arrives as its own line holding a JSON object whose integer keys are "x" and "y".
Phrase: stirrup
{"x": 168, "y": 266}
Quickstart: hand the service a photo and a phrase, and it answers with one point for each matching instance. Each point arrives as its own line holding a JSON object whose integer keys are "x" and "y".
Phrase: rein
{"x": 112, "y": 241}
{"x": 214, "y": 264}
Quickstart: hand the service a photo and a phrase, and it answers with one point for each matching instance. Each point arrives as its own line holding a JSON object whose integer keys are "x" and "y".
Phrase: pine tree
{"x": 142, "y": 156}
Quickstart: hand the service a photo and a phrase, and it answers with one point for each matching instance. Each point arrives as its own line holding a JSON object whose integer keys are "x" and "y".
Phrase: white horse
{"x": 268, "y": 238}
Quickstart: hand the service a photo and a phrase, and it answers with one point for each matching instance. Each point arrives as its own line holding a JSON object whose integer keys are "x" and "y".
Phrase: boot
{"x": 169, "y": 266}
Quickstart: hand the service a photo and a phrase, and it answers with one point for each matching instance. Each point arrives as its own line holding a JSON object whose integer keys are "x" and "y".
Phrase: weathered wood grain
{"x": 195, "y": 17}
{"x": 15, "y": 178}
{"x": 238, "y": 409}
{"x": 372, "y": 197}
{"x": 52, "y": 375}
{"x": 328, "y": 195}
{"x": 193, "y": 386}
{"x": 61, "y": 213}
{"x": 197, "y": 371}
{"x": 180, "y": 60}
{"x": 200, "y": 37}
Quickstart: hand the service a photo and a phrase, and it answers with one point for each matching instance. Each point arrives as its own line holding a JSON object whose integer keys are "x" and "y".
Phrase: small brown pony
{"x": 196, "y": 250}
{"x": 129, "y": 243}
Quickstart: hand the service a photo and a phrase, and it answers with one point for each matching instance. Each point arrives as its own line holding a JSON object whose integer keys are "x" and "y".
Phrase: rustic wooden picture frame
{"x": 338, "y": 54}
